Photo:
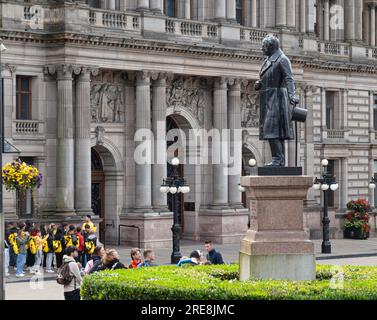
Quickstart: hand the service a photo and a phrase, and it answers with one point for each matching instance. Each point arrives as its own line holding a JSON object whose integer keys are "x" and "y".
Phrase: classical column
{"x": 83, "y": 194}
{"x": 359, "y": 20}
{"x": 231, "y": 10}
{"x": 143, "y": 186}
{"x": 123, "y": 5}
{"x": 156, "y": 6}
{"x": 372, "y": 23}
{"x": 303, "y": 16}
{"x": 220, "y": 9}
{"x": 349, "y": 19}
{"x": 65, "y": 143}
{"x": 219, "y": 147}
{"x": 344, "y": 183}
{"x": 281, "y": 13}
{"x": 234, "y": 125}
{"x": 326, "y": 20}
{"x": 291, "y": 13}
{"x": 142, "y": 5}
{"x": 159, "y": 168}
{"x": 254, "y": 13}
{"x": 188, "y": 9}
{"x": 111, "y": 4}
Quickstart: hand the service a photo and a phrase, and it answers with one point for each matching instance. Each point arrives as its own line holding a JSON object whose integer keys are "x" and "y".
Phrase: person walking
{"x": 6, "y": 257}
{"x": 70, "y": 271}
{"x": 213, "y": 256}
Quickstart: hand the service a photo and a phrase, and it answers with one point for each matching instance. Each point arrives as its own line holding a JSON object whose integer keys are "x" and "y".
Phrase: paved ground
{"x": 344, "y": 252}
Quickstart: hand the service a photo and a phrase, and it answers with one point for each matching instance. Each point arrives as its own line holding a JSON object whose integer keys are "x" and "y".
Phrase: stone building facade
{"x": 81, "y": 77}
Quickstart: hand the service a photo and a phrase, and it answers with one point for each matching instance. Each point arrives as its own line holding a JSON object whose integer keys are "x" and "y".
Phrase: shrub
{"x": 221, "y": 283}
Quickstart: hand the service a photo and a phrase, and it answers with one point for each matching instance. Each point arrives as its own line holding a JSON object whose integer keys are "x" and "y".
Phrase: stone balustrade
{"x": 191, "y": 28}
{"x": 27, "y": 128}
{"x": 253, "y": 35}
{"x": 336, "y": 134}
{"x": 334, "y": 48}
{"x": 114, "y": 20}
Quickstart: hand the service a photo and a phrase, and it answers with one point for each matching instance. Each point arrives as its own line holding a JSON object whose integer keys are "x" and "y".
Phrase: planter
{"x": 355, "y": 233}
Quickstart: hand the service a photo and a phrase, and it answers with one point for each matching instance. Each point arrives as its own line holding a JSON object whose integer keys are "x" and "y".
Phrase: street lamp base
{"x": 326, "y": 247}
{"x": 175, "y": 257}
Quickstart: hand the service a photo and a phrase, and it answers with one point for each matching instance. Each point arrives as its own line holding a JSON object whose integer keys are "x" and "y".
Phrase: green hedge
{"x": 221, "y": 283}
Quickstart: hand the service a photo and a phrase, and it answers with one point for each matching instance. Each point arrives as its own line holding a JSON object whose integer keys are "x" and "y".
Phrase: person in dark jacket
{"x": 50, "y": 254}
{"x": 110, "y": 261}
{"x": 59, "y": 236}
{"x": 98, "y": 254}
{"x": 213, "y": 256}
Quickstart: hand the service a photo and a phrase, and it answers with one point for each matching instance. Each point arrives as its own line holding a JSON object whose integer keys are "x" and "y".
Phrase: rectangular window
{"x": 330, "y": 110}
{"x": 25, "y": 205}
{"x": 375, "y": 112}
{"x": 23, "y": 93}
{"x": 94, "y": 3}
{"x": 170, "y": 8}
{"x": 239, "y": 11}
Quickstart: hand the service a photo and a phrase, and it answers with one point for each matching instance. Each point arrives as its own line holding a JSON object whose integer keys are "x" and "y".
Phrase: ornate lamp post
{"x": 326, "y": 183}
{"x": 175, "y": 185}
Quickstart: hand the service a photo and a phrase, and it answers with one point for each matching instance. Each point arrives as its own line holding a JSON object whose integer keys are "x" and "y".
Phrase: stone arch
{"x": 108, "y": 146}
{"x": 249, "y": 146}
{"x": 108, "y": 187}
{"x": 186, "y": 114}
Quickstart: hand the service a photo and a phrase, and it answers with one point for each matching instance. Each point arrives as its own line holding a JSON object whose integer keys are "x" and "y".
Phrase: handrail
{"x": 130, "y": 226}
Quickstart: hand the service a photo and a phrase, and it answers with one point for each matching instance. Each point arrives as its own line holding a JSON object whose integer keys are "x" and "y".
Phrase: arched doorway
{"x": 98, "y": 191}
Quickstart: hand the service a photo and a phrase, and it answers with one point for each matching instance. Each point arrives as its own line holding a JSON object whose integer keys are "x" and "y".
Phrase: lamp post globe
{"x": 324, "y": 162}
{"x": 175, "y": 161}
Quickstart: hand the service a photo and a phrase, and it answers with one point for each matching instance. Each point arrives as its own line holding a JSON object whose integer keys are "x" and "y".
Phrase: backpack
{"x": 64, "y": 275}
{"x": 45, "y": 247}
{"x": 13, "y": 242}
{"x": 89, "y": 247}
{"x": 57, "y": 246}
{"x": 32, "y": 246}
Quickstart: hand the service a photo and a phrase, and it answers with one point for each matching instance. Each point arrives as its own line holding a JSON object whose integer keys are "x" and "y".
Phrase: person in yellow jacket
{"x": 88, "y": 220}
{"x": 39, "y": 242}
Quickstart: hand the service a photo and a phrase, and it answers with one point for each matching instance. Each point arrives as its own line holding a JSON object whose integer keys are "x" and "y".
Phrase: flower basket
{"x": 357, "y": 221}
{"x": 17, "y": 175}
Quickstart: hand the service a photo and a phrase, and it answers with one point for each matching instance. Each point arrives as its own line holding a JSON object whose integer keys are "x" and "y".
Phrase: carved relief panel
{"x": 107, "y": 98}
{"x": 250, "y": 106}
{"x": 187, "y": 93}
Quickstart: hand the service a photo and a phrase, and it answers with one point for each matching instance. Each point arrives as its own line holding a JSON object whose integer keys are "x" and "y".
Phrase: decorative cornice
{"x": 241, "y": 55}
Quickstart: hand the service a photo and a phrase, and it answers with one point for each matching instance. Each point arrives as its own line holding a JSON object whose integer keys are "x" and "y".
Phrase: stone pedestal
{"x": 276, "y": 245}
{"x": 223, "y": 226}
{"x": 160, "y": 223}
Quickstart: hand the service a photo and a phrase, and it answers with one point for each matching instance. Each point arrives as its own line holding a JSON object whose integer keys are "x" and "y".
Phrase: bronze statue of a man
{"x": 277, "y": 99}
